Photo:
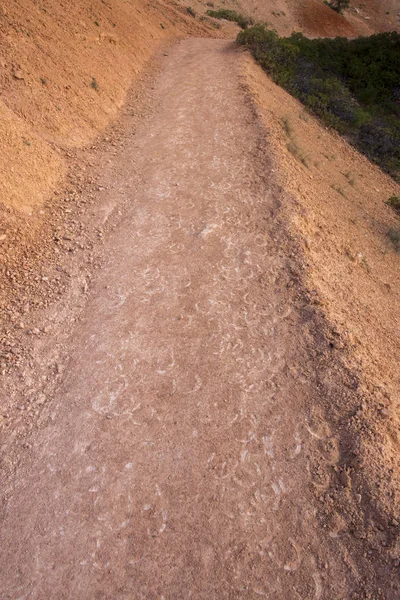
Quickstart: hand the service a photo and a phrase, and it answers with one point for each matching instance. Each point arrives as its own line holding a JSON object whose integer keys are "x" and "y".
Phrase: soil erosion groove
{"x": 176, "y": 462}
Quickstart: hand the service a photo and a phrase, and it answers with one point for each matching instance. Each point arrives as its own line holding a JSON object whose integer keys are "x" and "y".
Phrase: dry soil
{"x": 185, "y": 449}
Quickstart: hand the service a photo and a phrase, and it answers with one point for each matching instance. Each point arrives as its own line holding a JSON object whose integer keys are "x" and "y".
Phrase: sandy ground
{"x": 185, "y": 451}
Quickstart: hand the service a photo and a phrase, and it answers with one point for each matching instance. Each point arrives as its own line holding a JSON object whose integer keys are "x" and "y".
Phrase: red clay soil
{"x": 318, "y": 20}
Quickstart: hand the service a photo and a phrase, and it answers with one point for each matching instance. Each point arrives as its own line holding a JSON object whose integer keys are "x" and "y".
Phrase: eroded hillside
{"x": 313, "y": 17}
{"x": 337, "y": 210}
{"x": 64, "y": 74}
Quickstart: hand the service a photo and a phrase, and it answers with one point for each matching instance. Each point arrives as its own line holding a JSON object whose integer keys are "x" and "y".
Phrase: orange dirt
{"x": 64, "y": 74}
{"x": 175, "y": 441}
{"x": 352, "y": 270}
{"x": 374, "y": 16}
{"x": 312, "y": 17}
{"x": 318, "y": 20}
{"x": 199, "y": 315}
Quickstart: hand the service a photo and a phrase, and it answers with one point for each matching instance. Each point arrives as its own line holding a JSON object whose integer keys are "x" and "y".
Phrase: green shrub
{"x": 231, "y": 15}
{"x": 191, "y": 11}
{"x": 352, "y": 85}
{"x": 94, "y": 84}
{"x": 394, "y": 202}
{"x": 350, "y": 178}
{"x": 394, "y": 236}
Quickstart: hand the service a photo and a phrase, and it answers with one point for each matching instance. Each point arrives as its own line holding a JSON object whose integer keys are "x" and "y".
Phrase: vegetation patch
{"x": 394, "y": 236}
{"x": 338, "y": 189}
{"x": 94, "y": 84}
{"x": 352, "y": 85}
{"x": 231, "y": 15}
{"x": 350, "y": 178}
{"x": 394, "y": 202}
{"x": 292, "y": 144}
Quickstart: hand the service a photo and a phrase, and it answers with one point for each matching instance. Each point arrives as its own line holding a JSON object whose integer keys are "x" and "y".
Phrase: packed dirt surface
{"x": 187, "y": 448}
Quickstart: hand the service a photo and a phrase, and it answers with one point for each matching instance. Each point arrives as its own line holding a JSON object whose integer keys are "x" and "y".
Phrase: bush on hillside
{"x": 352, "y": 85}
{"x": 394, "y": 202}
{"x": 231, "y": 15}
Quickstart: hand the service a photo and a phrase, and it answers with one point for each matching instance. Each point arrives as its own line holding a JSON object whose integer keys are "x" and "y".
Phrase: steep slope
{"x": 336, "y": 208}
{"x": 313, "y": 17}
{"x": 64, "y": 74}
{"x": 318, "y": 20}
{"x": 362, "y": 18}
{"x": 374, "y": 16}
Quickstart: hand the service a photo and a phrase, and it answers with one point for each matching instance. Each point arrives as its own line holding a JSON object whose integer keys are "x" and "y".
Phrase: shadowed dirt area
{"x": 185, "y": 451}
{"x": 342, "y": 220}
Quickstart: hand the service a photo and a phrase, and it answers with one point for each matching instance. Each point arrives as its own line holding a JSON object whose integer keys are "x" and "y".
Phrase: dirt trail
{"x": 179, "y": 459}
